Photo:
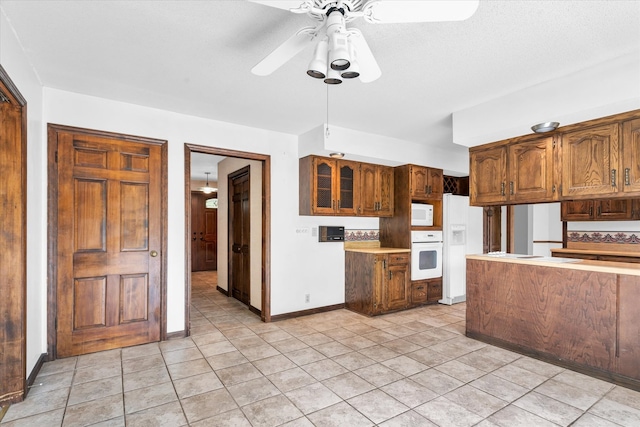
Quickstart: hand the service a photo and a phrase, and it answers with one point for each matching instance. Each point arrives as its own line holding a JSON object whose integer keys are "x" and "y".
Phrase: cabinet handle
{"x": 333, "y": 205}
{"x": 599, "y": 211}
{"x": 613, "y": 177}
{"x": 511, "y": 187}
{"x": 591, "y": 211}
{"x": 339, "y": 204}
{"x": 384, "y": 264}
{"x": 429, "y": 190}
{"x": 389, "y": 274}
{"x": 626, "y": 176}
{"x": 553, "y": 189}
{"x": 502, "y": 188}
{"x": 426, "y": 189}
{"x": 419, "y": 288}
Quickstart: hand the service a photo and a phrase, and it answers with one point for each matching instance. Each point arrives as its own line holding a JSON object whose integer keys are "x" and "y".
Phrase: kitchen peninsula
{"x": 580, "y": 314}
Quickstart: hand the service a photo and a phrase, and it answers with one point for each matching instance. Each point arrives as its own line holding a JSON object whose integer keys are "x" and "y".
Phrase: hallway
{"x": 413, "y": 368}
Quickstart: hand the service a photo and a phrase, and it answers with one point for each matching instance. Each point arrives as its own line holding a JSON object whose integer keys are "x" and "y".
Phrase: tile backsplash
{"x": 619, "y": 237}
{"x": 361, "y": 235}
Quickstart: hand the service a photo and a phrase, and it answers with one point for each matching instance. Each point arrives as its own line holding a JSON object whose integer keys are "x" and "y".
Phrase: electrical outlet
{"x": 307, "y": 298}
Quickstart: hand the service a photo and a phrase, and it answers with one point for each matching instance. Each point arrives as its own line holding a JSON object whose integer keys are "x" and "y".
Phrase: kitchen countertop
{"x": 572, "y": 263}
{"x": 378, "y": 250}
{"x": 596, "y": 252}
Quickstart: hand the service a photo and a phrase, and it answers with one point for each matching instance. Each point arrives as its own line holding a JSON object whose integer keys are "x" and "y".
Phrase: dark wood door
{"x": 397, "y": 281}
{"x": 109, "y": 235}
{"x": 492, "y": 229}
{"x": 240, "y": 235}
{"x": 12, "y": 242}
{"x": 204, "y": 232}
{"x": 576, "y": 210}
{"x": 630, "y": 179}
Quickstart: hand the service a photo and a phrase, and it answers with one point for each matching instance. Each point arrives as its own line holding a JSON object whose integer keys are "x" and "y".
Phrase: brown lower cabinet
{"x": 376, "y": 282}
{"x": 426, "y": 291}
{"x": 584, "y": 319}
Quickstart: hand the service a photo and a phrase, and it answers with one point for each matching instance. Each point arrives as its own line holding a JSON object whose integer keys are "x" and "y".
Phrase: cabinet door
{"x": 324, "y": 189}
{"x": 348, "y": 187}
{"x": 435, "y": 183}
{"x": 419, "y": 292}
{"x": 419, "y": 182}
{"x": 385, "y": 191}
{"x": 396, "y": 294}
{"x": 614, "y": 209}
{"x": 487, "y": 176}
{"x": 531, "y": 170}
{"x": 578, "y": 210}
{"x": 434, "y": 291}
{"x": 630, "y": 179}
{"x": 590, "y": 161}
{"x": 368, "y": 183}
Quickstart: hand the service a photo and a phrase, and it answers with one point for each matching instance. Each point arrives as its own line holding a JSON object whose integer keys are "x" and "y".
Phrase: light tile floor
{"x": 414, "y": 368}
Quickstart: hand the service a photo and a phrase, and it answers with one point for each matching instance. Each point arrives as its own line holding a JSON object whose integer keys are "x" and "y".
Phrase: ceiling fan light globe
{"x": 316, "y": 74}
{"x": 350, "y": 74}
{"x": 333, "y": 77}
{"x": 340, "y": 64}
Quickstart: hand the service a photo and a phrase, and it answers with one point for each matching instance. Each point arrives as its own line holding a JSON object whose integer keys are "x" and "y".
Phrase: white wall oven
{"x": 426, "y": 254}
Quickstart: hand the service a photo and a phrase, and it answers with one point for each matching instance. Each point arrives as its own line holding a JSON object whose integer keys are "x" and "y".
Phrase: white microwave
{"x": 421, "y": 214}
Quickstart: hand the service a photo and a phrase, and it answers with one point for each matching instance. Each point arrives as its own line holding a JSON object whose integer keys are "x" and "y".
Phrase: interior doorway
{"x": 260, "y": 237}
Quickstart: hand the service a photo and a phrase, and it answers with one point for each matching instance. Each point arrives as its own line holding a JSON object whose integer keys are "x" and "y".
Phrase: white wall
{"x": 602, "y": 90}
{"x": 26, "y": 80}
{"x": 225, "y": 167}
{"x": 547, "y": 227}
{"x": 371, "y": 148}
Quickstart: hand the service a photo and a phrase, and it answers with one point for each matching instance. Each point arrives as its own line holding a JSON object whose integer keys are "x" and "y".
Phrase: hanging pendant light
{"x": 207, "y": 189}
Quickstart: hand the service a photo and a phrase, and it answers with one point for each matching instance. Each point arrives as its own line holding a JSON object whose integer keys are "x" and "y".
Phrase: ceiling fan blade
{"x": 369, "y": 69}
{"x": 287, "y": 50}
{"x": 281, "y": 4}
{"x": 406, "y": 11}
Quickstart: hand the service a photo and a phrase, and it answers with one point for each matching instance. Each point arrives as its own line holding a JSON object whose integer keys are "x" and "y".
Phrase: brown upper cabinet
{"x": 376, "y": 190}
{"x": 518, "y": 172}
{"x": 344, "y": 188}
{"x": 426, "y": 183}
{"x": 597, "y": 159}
{"x": 488, "y": 176}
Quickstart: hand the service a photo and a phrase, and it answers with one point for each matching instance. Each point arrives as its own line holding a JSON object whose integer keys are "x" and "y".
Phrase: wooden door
{"x": 614, "y": 209}
{"x": 240, "y": 235}
{"x": 368, "y": 189}
{"x": 385, "y": 191}
{"x": 590, "y": 162}
{"x": 487, "y": 176}
{"x": 436, "y": 183}
{"x": 492, "y": 229}
{"x": 109, "y": 241}
{"x": 419, "y": 182}
{"x": 630, "y": 179}
{"x": 348, "y": 187}
{"x": 531, "y": 170}
{"x": 577, "y": 210}
{"x": 204, "y": 232}
{"x": 324, "y": 194}
{"x": 398, "y": 281}
{"x": 13, "y": 261}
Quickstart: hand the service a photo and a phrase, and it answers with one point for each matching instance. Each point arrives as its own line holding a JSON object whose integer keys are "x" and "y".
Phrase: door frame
{"x": 265, "y": 312}
{"x": 52, "y": 221}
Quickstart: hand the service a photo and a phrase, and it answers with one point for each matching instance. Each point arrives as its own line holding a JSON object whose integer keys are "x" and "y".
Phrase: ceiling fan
{"x": 341, "y": 52}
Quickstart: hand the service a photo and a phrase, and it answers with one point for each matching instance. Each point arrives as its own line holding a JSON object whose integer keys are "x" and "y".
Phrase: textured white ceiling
{"x": 194, "y": 57}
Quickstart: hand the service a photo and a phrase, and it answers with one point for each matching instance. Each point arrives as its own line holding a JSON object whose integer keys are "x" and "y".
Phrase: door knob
{"x": 154, "y": 254}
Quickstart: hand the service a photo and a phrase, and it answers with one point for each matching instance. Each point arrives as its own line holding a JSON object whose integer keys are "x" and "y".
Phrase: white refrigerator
{"x": 462, "y": 235}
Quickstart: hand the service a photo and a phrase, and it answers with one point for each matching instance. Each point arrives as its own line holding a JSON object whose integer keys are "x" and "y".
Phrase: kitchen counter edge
{"x": 379, "y": 250}
{"x": 587, "y": 265}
